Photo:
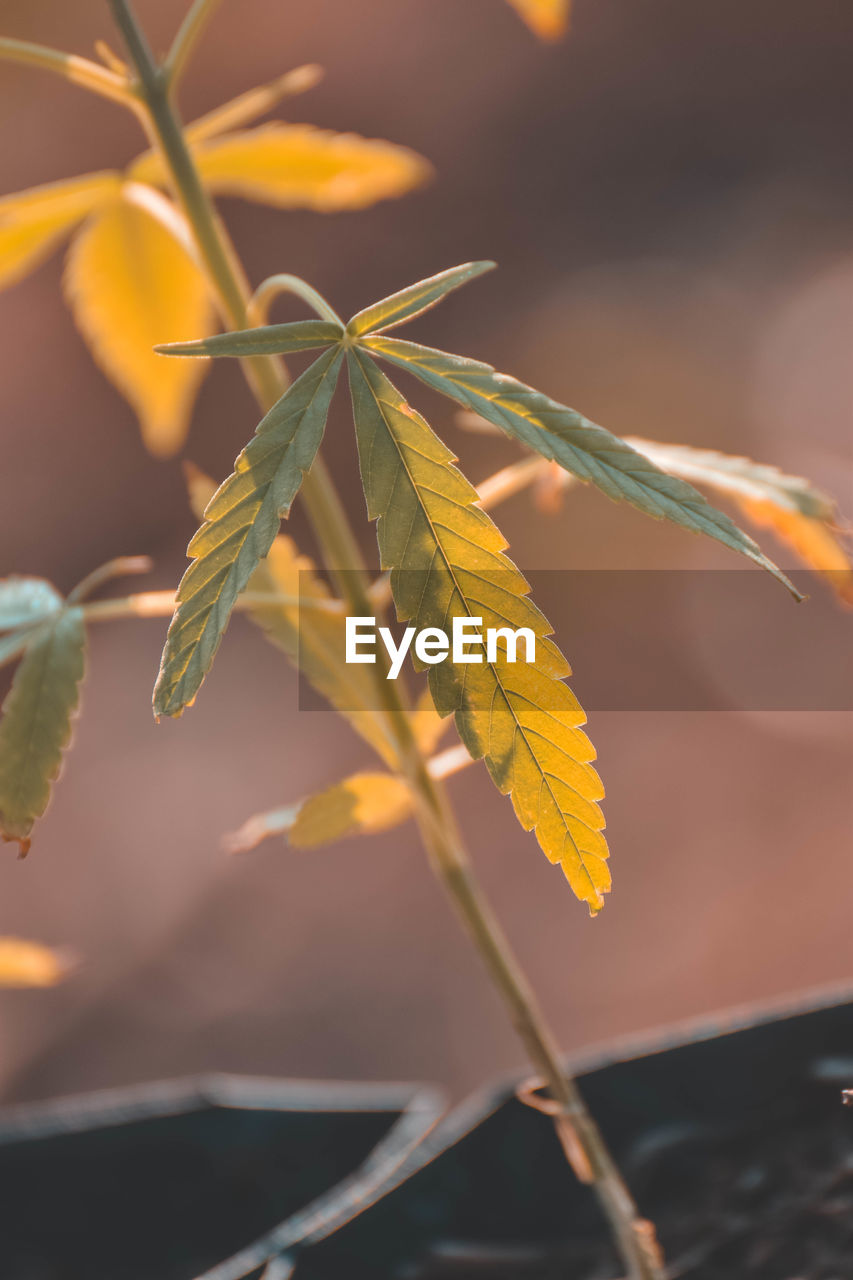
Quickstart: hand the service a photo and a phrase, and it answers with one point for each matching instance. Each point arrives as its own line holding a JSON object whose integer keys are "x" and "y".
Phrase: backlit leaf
{"x": 33, "y": 222}
{"x": 411, "y": 302}
{"x": 360, "y": 805}
{"x": 131, "y": 284}
{"x": 241, "y": 522}
{"x": 30, "y": 964}
{"x": 296, "y": 166}
{"x": 548, "y": 18}
{"x": 36, "y": 724}
{"x": 446, "y": 560}
{"x": 13, "y": 644}
{"x": 271, "y": 339}
{"x": 738, "y": 477}
{"x": 559, "y": 433}
{"x": 815, "y": 541}
{"x": 26, "y": 600}
{"x": 799, "y": 514}
{"x": 314, "y": 639}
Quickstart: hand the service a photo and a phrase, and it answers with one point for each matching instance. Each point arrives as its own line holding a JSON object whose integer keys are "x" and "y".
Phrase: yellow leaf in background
{"x": 32, "y": 222}
{"x": 130, "y": 284}
{"x": 360, "y": 805}
{"x": 300, "y": 167}
{"x": 548, "y": 18}
{"x": 29, "y": 964}
{"x": 814, "y": 541}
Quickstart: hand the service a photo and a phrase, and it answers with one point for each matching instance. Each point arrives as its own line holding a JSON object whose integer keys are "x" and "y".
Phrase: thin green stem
{"x": 80, "y": 71}
{"x": 273, "y": 286}
{"x": 188, "y": 35}
{"x": 342, "y": 556}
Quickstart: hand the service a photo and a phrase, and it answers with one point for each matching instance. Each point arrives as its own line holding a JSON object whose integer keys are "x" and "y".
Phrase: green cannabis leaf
{"x": 241, "y": 522}
{"x": 445, "y": 554}
{"x": 36, "y": 724}
{"x": 24, "y": 601}
{"x": 568, "y": 438}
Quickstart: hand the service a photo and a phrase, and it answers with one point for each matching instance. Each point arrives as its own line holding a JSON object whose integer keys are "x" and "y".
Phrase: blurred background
{"x": 669, "y": 194}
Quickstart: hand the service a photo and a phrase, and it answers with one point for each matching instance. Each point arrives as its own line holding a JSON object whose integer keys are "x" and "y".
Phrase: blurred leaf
{"x": 360, "y": 805}
{"x": 446, "y": 560}
{"x": 739, "y": 477}
{"x": 26, "y": 600}
{"x": 816, "y": 543}
{"x": 260, "y": 827}
{"x": 548, "y": 18}
{"x": 254, "y": 103}
{"x": 131, "y": 284}
{"x": 800, "y": 515}
{"x": 36, "y": 724}
{"x": 14, "y": 644}
{"x": 429, "y": 727}
{"x": 411, "y": 302}
{"x": 33, "y": 222}
{"x": 271, "y": 339}
{"x": 30, "y": 964}
{"x": 241, "y": 522}
{"x": 296, "y": 166}
{"x": 582, "y": 448}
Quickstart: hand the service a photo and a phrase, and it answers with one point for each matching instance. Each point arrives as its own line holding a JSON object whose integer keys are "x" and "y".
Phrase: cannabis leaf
{"x": 241, "y": 522}
{"x": 297, "y": 166}
{"x": 446, "y": 558}
{"x": 313, "y": 638}
{"x": 131, "y": 277}
{"x": 24, "y": 601}
{"x": 799, "y": 514}
{"x": 132, "y": 281}
{"x": 36, "y": 724}
{"x": 363, "y": 804}
{"x": 567, "y": 437}
{"x": 444, "y": 553}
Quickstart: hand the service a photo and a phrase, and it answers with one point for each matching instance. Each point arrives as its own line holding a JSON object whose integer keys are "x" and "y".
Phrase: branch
{"x": 200, "y": 13}
{"x": 80, "y": 71}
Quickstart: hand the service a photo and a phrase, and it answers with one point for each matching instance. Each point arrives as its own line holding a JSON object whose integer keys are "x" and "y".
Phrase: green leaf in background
{"x": 241, "y": 522}
{"x": 565, "y": 436}
{"x": 36, "y": 724}
{"x": 271, "y": 339}
{"x": 413, "y": 301}
{"x": 24, "y": 601}
{"x": 446, "y": 560}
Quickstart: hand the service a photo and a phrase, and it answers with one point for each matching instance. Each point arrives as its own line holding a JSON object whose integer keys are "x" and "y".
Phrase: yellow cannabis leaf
{"x": 447, "y": 561}
{"x": 32, "y": 222}
{"x": 300, "y": 167}
{"x": 30, "y": 964}
{"x": 548, "y": 18}
{"x": 130, "y": 283}
{"x": 363, "y": 804}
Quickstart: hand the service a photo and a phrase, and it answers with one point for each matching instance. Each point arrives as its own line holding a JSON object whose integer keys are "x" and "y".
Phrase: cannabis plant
{"x": 151, "y": 271}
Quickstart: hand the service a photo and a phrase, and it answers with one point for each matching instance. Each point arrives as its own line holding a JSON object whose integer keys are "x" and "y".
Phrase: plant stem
{"x": 79, "y": 71}
{"x": 199, "y": 14}
{"x": 342, "y": 555}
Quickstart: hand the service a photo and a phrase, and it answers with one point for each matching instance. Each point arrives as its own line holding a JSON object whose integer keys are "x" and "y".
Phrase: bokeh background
{"x": 669, "y": 194}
